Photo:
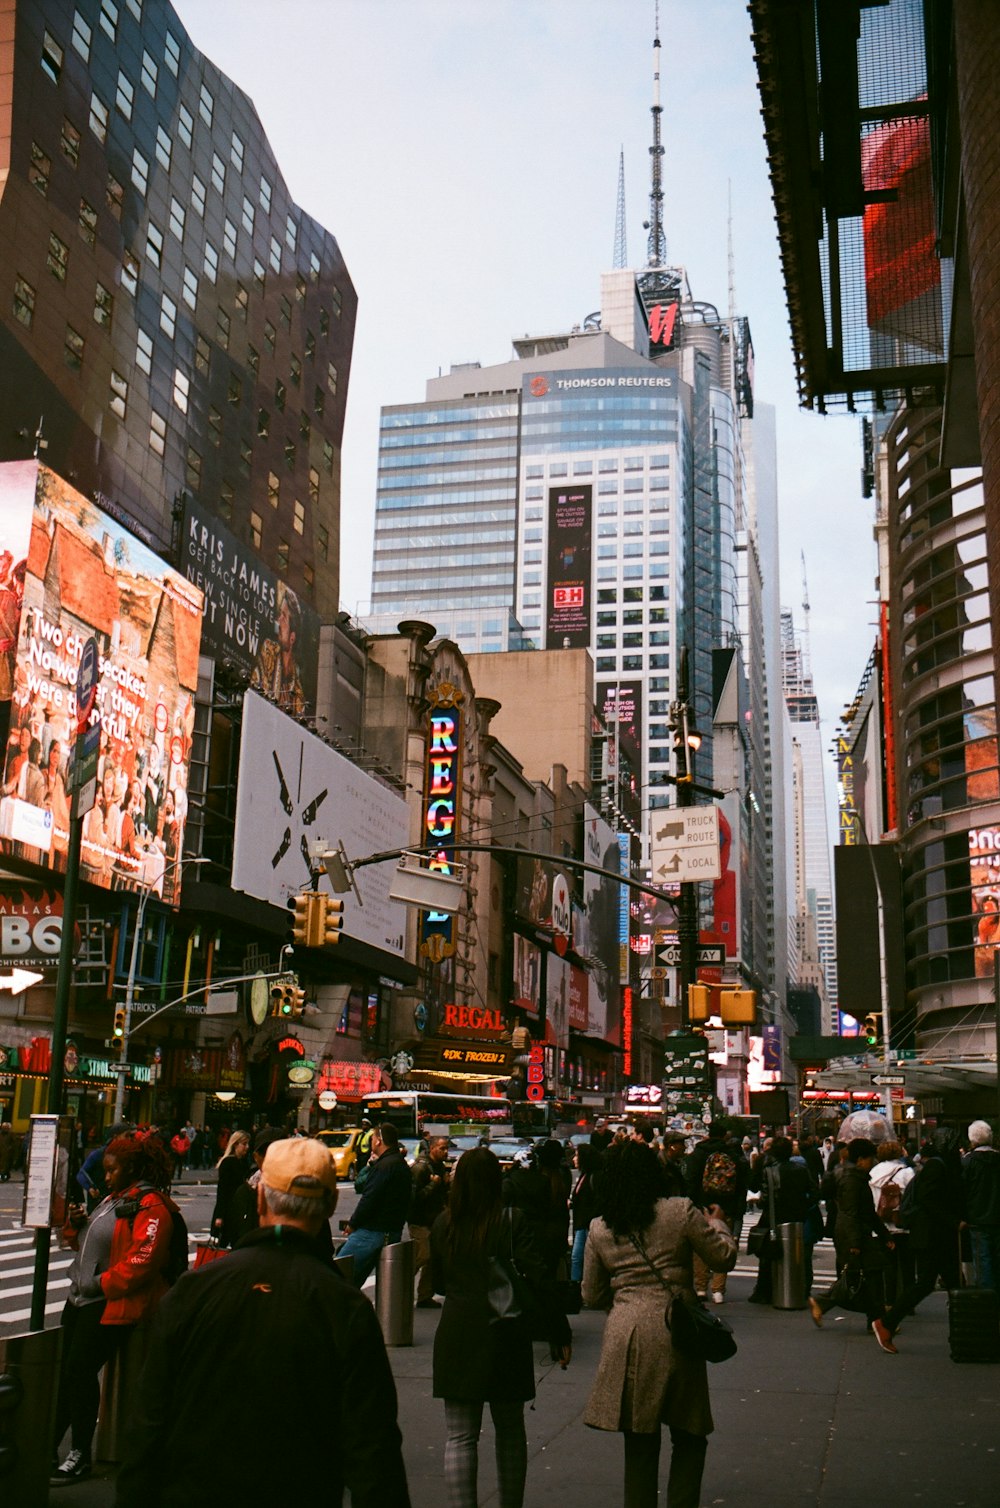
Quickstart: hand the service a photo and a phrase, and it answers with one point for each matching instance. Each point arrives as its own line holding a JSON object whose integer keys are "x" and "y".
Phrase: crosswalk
{"x": 17, "y": 1267}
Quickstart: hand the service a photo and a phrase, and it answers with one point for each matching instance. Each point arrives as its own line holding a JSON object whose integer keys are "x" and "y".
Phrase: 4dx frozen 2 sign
{"x": 442, "y": 807}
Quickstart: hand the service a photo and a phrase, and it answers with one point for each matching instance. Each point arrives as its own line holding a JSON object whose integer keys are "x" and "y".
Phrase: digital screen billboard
{"x": 252, "y": 618}
{"x": 294, "y": 789}
{"x": 567, "y": 621}
{"x": 984, "y": 876}
{"x": 527, "y": 975}
{"x": 85, "y": 575}
{"x": 620, "y": 707}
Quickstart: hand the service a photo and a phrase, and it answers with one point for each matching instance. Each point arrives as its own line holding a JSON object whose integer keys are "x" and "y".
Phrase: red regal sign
{"x": 349, "y": 1081}
{"x": 471, "y": 1019}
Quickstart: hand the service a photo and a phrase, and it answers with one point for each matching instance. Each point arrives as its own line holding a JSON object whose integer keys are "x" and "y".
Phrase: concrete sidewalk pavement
{"x": 803, "y": 1417}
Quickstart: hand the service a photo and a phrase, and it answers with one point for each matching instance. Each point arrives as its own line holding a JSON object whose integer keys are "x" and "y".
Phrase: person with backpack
{"x": 129, "y": 1251}
{"x": 889, "y": 1178}
{"x": 931, "y": 1210}
{"x": 718, "y": 1174}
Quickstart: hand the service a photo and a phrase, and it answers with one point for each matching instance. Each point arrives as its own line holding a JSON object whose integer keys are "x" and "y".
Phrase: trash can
{"x": 788, "y": 1271}
{"x": 29, "y": 1379}
{"x": 394, "y": 1293}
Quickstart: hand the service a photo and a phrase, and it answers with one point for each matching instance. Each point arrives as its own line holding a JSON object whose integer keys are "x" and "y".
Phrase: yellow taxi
{"x": 344, "y": 1146}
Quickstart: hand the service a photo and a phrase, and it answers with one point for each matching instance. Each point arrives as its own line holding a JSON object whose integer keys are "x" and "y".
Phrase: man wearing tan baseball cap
{"x": 273, "y": 1319}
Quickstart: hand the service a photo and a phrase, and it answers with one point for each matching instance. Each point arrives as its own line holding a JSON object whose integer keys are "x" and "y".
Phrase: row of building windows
{"x": 534, "y": 471}
{"x": 420, "y": 500}
{"x": 608, "y": 663}
{"x": 441, "y": 518}
{"x": 450, "y": 478}
{"x": 450, "y": 455}
{"x": 467, "y": 424}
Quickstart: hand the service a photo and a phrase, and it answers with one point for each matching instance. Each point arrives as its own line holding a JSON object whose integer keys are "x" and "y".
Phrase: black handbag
{"x": 537, "y": 1304}
{"x": 762, "y": 1238}
{"x": 694, "y": 1330}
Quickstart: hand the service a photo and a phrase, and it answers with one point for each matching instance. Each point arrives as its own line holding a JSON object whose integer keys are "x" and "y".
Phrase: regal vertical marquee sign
{"x": 442, "y": 810}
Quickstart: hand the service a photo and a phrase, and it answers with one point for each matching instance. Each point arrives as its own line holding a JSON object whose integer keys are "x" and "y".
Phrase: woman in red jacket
{"x": 117, "y": 1279}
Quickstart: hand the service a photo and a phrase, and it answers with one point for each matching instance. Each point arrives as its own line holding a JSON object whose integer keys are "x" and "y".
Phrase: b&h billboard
{"x": 568, "y": 613}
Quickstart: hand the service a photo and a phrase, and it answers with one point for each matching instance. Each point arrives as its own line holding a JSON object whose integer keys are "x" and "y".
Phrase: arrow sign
{"x": 19, "y": 980}
{"x": 672, "y": 866}
{"x": 888, "y": 1078}
{"x": 709, "y": 955}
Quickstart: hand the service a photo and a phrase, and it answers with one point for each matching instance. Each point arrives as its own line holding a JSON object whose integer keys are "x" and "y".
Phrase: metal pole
{"x": 140, "y": 919}
{"x": 883, "y": 986}
{"x": 687, "y": 922}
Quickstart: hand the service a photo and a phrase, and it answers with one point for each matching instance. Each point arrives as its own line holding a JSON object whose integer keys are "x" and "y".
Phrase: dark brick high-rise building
{"x": 176, "y": 323}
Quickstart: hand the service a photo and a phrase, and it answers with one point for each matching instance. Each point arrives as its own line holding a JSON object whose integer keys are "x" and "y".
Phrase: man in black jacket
{"x": 273, "y": 1323}
{"x": 860, "y": 1240}
{"x": 384, "y": 1206}
{"x": 981, "y": 1187}
{"x": 431, "y": 1177}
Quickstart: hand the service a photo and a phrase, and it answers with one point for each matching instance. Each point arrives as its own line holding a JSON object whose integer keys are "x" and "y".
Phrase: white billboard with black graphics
{"x": 294, "y": 790}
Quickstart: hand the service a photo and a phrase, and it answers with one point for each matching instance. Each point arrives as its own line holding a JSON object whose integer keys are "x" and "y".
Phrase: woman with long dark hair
{"x": 638, "y": 1243}
{"x": 117, "y": 1278}
{"x": 482, "y": 1349}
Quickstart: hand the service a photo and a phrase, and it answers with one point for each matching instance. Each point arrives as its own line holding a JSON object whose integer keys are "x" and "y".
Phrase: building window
{"x": 222, "y": 328}
{"x": 298, "y": 517}
{"x": 265, "y": 196}
{"x": 192, "y": 470}
{"x": 290, "y": 454}
{"x": 81, "y": 37}
{"x": 144, "y": 351}
{"x": 130, "y": 273}
{"x": 163, "y": 148}
{"x": 185, "y": 125}
{"x": 88, "y": 223}
{"x": 69, "y": 141}
{"x": 198, "y": 192}
{"x": 99, "y": 118}
{"x": 247, "y": 216}
{"x": 227, "y": 496}
{"x": 258, "y": 273}
{"x": 39, "y": 170}
{"x": 148, "y": 75}
{"x": 168, "y": 315}
{"x": 140, "y": 171}
{"x": 323, "y": 541}
{"x": 291, "y": 232}
{"x": 269, "y": 334}
{"x": 246, "y": 457}
{"x": 73, "y": 349}
{"x": 313, "y": 267}
{"x": 295, "y": 370}
{"x": 305, "y": 427}
{"x": 119, "y": 394}
{"x": 279, "y": 395}
{"x": 172, "y": 54}
{"x": 218, "y": 174}
{"x": 659, "y": 662}
{"x": 273, "y": 489}
{"x": 202, "y": 355}
{"x": 242, "y": 302}
{"x": 300, "y": 288}
{"x": 211, "y": 263}
{"x": 104, "y": 306}
{"x": 181, "y": 389}
{"x": 310, "y": 345}
{"x": 236, "y": 152}
{"x": 52, "y": 58}
{"x": 282, "y": 555}
{"x": 313, "y": 485}
{"x": 286, "y": 312}
{"x": 309, "y": 577}
{"x": 115, "y": 197}
{"x": 256, "y": 529}
{"x": 57, "y": 259}
{"x": 324, "y": 322}
{"x": 177, "y": 218}
{"x": 328, "y": 457}
{"x": 229, "y": 238}
{"x": 157, "y": 433}
{"x": 337, "y": 300}
{"x": 124, "y": 95}
{"x": 331, "y": 378}
{"x": 253, "y": 360}
{"x": 24, "y": 302}
{"x": 206, "y": 105}
{"x": 319, "y": 400}
{"x": 190, "y": 289}
{"x": 235, "y": 393}
{"x": 135, "y": 6}
{"x": 214, "y": 427}
{"x": 154, "y": 244}
{"x": 275, "y": 257}
{"x": 109, "y": 19}
{"x": 263, "y": 422}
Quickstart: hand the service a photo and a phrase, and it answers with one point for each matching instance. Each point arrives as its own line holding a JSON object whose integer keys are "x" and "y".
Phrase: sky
{"x": 465, "y": 155}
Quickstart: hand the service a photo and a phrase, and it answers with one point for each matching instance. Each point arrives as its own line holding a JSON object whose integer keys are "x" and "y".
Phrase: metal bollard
{"x": 29, "y": 1381}
{"x": 788, "y": 1272}
{"x": 118, "y": 1394}
{"x": 394, "y": 1293}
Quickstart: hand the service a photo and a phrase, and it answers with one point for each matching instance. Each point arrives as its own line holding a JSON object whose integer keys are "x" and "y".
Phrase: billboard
{"x": 567, "y": 621}
{"x": 527, "y": 975}
{"x": 620, "y": 708}
{"x": 252, "y": 619}
{"x": 984, "y": 876}
{"x": 293, "y": 790}
{"x": 557, "y": 996}
{"x": 538, "y": 883}
{"x": 87, "y": 575}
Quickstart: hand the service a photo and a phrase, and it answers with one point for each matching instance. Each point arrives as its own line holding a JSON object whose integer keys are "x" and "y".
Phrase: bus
{"x": 414, "y": 1112}
{"x": 544, "y": 1118}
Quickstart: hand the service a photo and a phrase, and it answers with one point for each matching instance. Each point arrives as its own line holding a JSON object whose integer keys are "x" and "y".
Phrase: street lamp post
{"x": 687, "y": 740}
{"x": 140, "y": 920}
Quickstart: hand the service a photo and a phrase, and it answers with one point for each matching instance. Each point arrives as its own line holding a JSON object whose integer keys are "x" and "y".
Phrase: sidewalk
{"x": 803, "y": 1417}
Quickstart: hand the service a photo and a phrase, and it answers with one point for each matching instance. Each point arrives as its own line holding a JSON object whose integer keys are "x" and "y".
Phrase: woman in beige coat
{"x": 641, "y": 1381}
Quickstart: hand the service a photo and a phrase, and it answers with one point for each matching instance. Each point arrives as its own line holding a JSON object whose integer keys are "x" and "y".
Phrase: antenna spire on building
{"x": 806, "y": 647}
{"x": 621, "y": 250}
{"x": 656, "y": 249}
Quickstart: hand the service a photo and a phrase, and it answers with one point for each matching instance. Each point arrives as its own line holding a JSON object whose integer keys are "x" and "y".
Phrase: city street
{"x": 802, "y": 1417}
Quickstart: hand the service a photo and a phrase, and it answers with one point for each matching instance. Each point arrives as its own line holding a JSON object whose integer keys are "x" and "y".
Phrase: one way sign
{"x": 710, "y": 955}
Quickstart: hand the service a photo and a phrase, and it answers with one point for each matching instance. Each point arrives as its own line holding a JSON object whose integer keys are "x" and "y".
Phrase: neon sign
{"x": 661, "y": 324}
{"x": 442, "y": 805}
{"x": 626, "y": 1031}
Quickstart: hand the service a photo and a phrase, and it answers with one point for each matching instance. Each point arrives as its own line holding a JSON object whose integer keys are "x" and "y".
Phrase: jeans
{"x": 576, "y": 1257}
{"x": 985, "y": 1241}
{"x": 364, "y": 1246}
{"x": 642, "y": 1466}
{"x": 464, "y": 1422}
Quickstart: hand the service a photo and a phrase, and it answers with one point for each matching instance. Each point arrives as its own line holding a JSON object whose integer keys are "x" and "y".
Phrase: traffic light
{"x": 331, "y": 921}
{"x": 297, "y": 1002}
{"x": 119, "y": 1027}
{"x": 738, "y": 1007}
{"x": 281, "y": 1000}
{"x": 301, "y": 908}
{"x": 698, "y": 1002}
{"x": 872, "y": 1029}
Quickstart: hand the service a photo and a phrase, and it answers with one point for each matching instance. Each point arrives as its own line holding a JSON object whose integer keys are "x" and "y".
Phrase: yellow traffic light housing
{"x": 738, "y": 1007}
{"x": 296, "y": 1002}
{"x": 281, "y": 1000}
{"x": 699, "y": 1002}
{"x": 301, "y": 908}
{"x": 872, "y": 1029}
{"x": 119, "y": 1026}
{"x": 332, "y": 921}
